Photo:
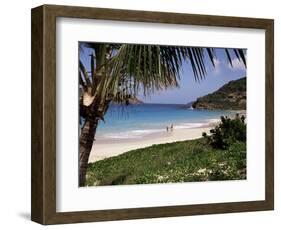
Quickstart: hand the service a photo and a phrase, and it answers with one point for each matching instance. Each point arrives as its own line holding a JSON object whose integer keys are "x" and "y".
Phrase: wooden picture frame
{"x": 43, "y": 208}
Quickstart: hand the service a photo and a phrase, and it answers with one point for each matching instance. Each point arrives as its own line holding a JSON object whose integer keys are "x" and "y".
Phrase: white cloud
{"x": 237, "y": 64}
{"x": 217, "y": 62}
{"x": 217, "y": 68}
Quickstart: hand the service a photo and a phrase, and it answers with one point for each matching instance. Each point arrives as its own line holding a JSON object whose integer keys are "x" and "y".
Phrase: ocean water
{"x": 137, "y": 121}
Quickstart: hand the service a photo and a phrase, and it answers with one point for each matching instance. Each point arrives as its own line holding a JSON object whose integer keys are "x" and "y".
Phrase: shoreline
{"x": 108, "y": 147}
{"x": 105, "y": 148}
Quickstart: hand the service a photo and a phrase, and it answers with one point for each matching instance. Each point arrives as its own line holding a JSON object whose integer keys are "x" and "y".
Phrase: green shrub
{"x": 227, "y": 132}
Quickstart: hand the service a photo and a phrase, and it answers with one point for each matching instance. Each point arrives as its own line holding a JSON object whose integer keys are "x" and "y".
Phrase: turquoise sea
{"x": 137, "y": 121}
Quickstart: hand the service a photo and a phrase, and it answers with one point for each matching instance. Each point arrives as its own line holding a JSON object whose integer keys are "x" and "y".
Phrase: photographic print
{"x": 140, "y": 114}
{"x": 161, "y": 114}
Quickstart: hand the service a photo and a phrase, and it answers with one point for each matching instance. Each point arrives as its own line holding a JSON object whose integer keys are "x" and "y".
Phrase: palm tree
{"x": 119, "y": 72}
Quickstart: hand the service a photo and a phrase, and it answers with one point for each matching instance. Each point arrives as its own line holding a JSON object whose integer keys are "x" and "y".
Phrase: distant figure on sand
{"x": 167, "y": 128}
{"x": 172, "y": 127}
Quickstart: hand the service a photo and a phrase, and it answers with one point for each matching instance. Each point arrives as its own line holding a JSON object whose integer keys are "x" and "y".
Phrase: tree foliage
{"x": 121, "y": 71}
{"x": 227, "y": 132}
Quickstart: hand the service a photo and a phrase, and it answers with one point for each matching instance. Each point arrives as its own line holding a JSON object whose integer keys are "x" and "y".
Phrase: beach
{"x": 109, "y": 147}
{"x": 140, "y": 126}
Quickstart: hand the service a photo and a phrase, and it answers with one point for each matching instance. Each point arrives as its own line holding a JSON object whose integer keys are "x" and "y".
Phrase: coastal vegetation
{"x": 231, "y": 96}
{"x": 118, "y": 72}
{"x": 131, "y": 101}
{"x": 218, "y": 156}
{"x": 227, "y": 132}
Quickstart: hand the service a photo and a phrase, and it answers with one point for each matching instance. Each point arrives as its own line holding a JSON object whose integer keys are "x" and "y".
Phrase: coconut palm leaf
{"x": 83, "y": 70}
{"x": 228, "y": 57}
{"x": 120, "y": 71}
{"x": 241, "y": 54}
{"x": 130, "y": 68}
{"x": 211, "y": 55}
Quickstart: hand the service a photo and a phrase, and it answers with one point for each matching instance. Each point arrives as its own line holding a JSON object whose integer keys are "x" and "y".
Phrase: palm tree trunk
{"x": 94, "y": 111}
{"x": 86, "y": 140}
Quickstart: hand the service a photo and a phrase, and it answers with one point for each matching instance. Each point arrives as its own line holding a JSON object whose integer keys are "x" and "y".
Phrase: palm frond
{"x": 83, "y": 70}
{"x": 228, "y": 57}
{"x": 211, "y": 55}
{"x": 241, "y": 53}
{"x": 120, "y": 71}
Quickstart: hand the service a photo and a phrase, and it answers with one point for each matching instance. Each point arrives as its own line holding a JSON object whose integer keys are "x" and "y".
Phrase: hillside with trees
{"x": 231, "y": 96}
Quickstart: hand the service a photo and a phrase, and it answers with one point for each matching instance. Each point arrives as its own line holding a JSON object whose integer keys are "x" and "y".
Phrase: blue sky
{"x": 189, "y": 89}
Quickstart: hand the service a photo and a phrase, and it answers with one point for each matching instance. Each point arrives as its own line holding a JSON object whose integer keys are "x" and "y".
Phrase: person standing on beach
{"x": 167, "y": 128}
{"x": 172, "y": 127}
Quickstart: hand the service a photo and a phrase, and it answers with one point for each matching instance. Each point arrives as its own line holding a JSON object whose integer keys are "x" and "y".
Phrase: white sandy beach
{"x": 104, "y": 148}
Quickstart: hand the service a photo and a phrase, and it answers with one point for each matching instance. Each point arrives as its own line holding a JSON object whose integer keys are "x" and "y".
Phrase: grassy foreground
{"x": 185, "y": 161}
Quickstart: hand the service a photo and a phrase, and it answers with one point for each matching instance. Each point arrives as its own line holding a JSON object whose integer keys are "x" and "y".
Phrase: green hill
{"x": 231, "y": 96}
